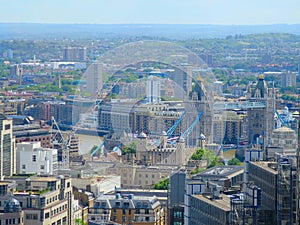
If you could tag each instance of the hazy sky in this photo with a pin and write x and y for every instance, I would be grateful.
(151, 11)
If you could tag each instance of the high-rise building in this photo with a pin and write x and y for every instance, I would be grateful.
(16, 71)
(7, 148)
(153, 89)
(183, 80)
(94, 78)
(288, 79)
(74, 54)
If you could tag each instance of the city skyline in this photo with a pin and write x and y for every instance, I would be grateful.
(155, 12)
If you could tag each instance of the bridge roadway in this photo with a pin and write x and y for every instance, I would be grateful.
(237, 105)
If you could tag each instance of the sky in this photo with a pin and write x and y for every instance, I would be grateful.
(223, 12)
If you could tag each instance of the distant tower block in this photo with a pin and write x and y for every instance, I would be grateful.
(58, 80)
(261, 120)
(94, 78)
(74, 54)
(183, 78)
(17, 71)
(153, 89)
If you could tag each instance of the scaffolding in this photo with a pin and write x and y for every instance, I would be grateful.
(286, 205)
(244, 206)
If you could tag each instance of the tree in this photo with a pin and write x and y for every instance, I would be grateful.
(162, 184)
(79, 222)
(131, 149)
(208, 155)
(198, 155)
(235, 162)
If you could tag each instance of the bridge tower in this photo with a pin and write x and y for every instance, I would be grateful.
(261, 120)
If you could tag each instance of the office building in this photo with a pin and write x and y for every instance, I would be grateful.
(211, 209)
(277, 181)
(7, 148)
(32, 158)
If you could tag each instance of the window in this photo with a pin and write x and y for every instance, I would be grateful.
(124, 211)
(47, 215)
(31, 216)
(65, 220)
(34, 158)
(177, 214)
(23, 167)
(42, 167)
(7, 126)
(123, 218)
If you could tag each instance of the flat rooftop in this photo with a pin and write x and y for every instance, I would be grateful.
(268, 166)
(41, 179)
(222, 203)
(222, 171)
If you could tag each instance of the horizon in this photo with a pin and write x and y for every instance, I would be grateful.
(201, 24)
(217, 12)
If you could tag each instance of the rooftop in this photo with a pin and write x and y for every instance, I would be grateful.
(268, 166)
(42, 179)
(223, 171)
(222, 203)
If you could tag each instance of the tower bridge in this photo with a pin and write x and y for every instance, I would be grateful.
(238, 105)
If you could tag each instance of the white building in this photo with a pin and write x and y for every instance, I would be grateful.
(153, 89)
(32, 158)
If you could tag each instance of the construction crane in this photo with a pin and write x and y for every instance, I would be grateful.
(97, 149)
(188, 131)
(172, 129)
(60, 142)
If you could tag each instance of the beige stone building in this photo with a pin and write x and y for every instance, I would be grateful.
(44, 200)
(135, 210)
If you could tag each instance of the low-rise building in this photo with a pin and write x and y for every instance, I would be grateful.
(127, 210)
(32, 158)
(43, 199)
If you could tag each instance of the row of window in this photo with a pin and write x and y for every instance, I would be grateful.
(60, 222)
(11, 221)
(52, 199)
(58, 210)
